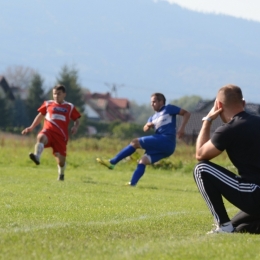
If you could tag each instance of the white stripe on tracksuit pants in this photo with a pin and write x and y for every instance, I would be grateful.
(214, 181)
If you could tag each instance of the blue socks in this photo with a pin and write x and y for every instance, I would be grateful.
(127, 151)
(139, 172)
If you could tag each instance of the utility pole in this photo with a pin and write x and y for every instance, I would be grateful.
(114, 87)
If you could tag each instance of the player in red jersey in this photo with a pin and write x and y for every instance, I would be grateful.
(57, 114)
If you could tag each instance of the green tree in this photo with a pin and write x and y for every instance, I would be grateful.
(20, 116)
(141, 113)
(5, 113)
(128, 131)
(187, 102)
(69, 78)
(35, 96)
(74, 94)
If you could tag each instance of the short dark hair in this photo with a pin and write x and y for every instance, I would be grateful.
(159, 97)
(60, 87)
(231, 94)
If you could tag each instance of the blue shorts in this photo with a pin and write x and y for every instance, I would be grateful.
(157, 146)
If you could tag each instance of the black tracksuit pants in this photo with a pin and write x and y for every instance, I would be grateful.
(214, 181)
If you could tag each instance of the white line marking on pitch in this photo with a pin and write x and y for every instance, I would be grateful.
(97, 223)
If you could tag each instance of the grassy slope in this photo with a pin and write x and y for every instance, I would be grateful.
(92, 215)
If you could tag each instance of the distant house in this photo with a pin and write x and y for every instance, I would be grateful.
(203, 107)
(91, 113)
(5, 90)
(103, 107)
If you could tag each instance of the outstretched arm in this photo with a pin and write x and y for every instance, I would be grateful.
(186, 116)
(35, 122)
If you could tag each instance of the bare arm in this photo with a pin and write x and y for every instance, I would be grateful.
(148, 126)
(37, 120)
(205, 150)
(186, 116)
(75, 127)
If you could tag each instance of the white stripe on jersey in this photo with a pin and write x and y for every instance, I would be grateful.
(50, 119)
(58, 117)
(162, 120)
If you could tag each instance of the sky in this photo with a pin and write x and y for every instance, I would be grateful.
(246, 9)
(102, 38)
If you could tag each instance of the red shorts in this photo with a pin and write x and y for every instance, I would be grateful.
(56, 142)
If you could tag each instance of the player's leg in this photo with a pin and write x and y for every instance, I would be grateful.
(42, 141)
(125, 152)
(60, 151)
(245, 223)
(140, 169)
(156, 148)
(61, 163)
(215, 182)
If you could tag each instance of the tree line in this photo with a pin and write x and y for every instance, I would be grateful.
(19, 113)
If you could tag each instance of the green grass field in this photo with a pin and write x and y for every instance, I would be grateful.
(92, 215)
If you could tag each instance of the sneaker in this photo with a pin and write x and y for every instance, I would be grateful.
(106, 163)
(60, 177)
(129, 184)
(34, 158)
(228, 228)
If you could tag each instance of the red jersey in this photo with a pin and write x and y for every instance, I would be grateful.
(58, 116)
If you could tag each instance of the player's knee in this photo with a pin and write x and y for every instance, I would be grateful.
(42, 139)
(61, 164)
(146, 160)
(135, 143)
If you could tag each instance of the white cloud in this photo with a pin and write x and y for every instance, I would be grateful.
(246, 9)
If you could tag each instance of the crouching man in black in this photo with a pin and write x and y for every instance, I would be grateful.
(239, 136)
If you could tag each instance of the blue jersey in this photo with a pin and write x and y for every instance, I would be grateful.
(165, 121)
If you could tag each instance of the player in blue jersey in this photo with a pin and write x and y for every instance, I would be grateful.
(157, 146)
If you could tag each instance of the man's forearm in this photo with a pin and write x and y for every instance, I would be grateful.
(185, 119)
(147, 126)
(76, 123)
(204, 134)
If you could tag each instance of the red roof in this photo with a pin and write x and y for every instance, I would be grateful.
(109, 108)
(119, 102)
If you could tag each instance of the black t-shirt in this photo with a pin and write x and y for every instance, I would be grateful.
(241, 139)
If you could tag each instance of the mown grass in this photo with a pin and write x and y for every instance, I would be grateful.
(92, 215)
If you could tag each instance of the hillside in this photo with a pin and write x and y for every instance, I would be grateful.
(141, 45)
